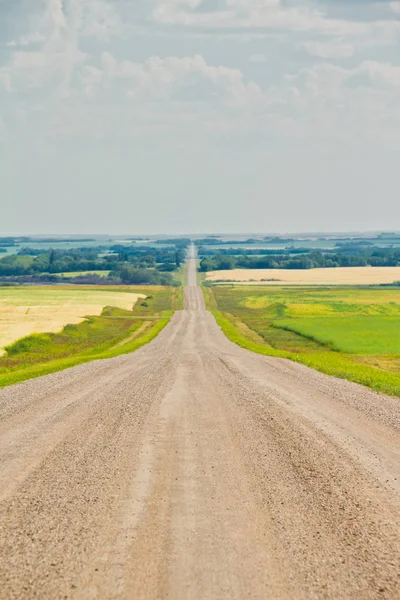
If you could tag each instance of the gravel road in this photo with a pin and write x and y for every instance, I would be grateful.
(196, 470)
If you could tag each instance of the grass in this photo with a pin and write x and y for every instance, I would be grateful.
(116, 331)
(352, 333)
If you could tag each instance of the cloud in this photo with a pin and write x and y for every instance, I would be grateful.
(72, 69)
(69, 18)
(91, 78)
(380, 73)
(329, 49)
(100, 19)
(188, 79)
(253, 15)
(59, 29)
(348, 104)
(27, 40)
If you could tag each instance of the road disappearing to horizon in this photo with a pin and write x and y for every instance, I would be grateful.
(193, 469)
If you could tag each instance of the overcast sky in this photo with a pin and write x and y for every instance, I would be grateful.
(172, 116)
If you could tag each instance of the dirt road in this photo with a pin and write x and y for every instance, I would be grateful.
(194, 469)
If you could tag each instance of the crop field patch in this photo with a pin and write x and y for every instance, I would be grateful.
(352, 335)
(48, 309)
(326, 276)
(351, 332)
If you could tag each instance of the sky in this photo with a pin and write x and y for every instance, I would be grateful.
(189, 116)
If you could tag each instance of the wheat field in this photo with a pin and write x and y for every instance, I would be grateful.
(48, 309)
(335, 276)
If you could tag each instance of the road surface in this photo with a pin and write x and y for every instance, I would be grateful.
(194, 469)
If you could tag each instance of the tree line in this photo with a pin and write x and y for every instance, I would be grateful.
(125, 264)
(312, 259)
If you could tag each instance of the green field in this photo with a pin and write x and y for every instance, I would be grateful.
(353, 335)
(115, 331)
(347, 332)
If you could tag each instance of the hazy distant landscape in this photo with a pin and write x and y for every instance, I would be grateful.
(97, 291)
(154, 260)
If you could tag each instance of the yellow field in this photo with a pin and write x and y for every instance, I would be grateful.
(338, 276)
(48, 309)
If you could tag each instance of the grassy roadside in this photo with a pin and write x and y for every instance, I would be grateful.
(115, 332)
(332, 363)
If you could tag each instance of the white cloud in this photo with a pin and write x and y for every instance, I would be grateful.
(329, 49)
(91, 78)
(53, 66)
(379, 73)
(27, 40)
(166, 92)
(253, 15)
(348, 104)
(100, 20)
(167, 71)
(188, 79)
(70, 19)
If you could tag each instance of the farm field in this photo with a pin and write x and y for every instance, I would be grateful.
(327, 276)
(47, 329)
(348, 332)
(48, 309)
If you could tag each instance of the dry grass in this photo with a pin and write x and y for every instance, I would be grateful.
(338, 276)
(38, 310)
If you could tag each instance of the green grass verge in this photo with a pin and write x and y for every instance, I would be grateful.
(232, 333)
(248, 334)
(115, 332)
(335, 364)
(52, 366)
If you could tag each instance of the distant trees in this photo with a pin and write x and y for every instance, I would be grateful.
(299, 259)
(132, 276)
(127, 264)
